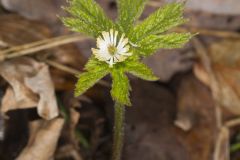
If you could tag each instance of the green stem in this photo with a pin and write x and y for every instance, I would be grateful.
(119, 116)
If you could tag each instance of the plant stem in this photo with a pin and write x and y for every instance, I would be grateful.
(119, 117)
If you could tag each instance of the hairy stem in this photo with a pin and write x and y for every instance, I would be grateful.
(119, 116)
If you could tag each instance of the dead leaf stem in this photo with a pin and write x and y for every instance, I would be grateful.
(232, 123)
(209, 32)
(34, 47)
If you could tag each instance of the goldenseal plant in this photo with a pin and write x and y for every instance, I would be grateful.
(121, 45)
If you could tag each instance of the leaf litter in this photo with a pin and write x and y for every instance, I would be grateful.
(30, 86)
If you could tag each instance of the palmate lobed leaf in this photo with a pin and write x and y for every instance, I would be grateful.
(87, 79)
(120, 87)
(93, 64)
(79, 25)
(140, 70)
(160, 21)
(129, 11)
(95, 70)
(87, 17)
(152, 43)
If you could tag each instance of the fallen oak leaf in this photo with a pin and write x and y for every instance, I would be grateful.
(43, 140)
(42, 85)
(11, 102)
(31, 86)
(220, 71)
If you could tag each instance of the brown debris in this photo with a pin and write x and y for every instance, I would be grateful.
(219, 68)
(196, 118)
(43, 140)
(31, 86)
(35, 9)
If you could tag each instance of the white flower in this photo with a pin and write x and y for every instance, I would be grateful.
(111, 49)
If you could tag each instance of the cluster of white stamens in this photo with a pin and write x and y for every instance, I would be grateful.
(111, 49)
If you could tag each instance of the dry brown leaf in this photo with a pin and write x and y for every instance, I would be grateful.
(196, 118)
(43, 140)
(168, 63)
(224, 80)
(16, 30)
(42, 85)
(149, 132)
(11, 102)
(35, 9)
(230, 7)
(31, 86)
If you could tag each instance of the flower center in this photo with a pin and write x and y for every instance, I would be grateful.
(112, 49)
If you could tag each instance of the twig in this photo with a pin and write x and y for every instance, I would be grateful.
(45, 41)
(159, 3)
(209, 32)
(232, 123)
(71, 71)
(62, 67)
(154, 3)
(3, 44)
(202, 53)
(221, 151)
(34, 47)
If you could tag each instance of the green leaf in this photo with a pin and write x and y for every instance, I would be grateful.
(160, 21)
(140, 70)
(129, 11)
(93, 63)
(152, 43)
(120, 87)
(88, 79)
(79, 25)
(87, 17)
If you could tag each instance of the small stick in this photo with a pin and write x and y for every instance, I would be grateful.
(154, 4)
(209, 32)
(34, 47)
(232, 123)
(3, 44)
(42, 42)
(62, 67)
